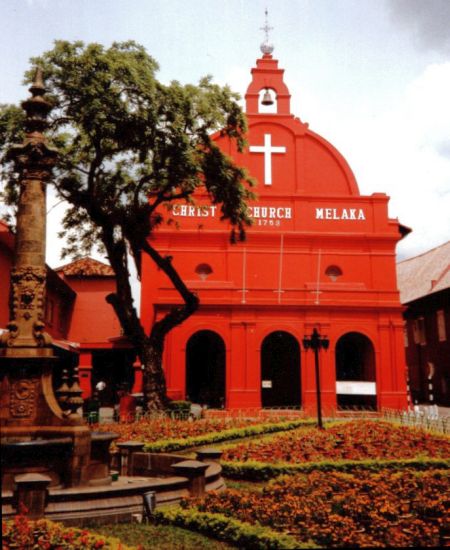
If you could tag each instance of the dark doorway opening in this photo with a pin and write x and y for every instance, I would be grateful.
(205, 369)
(355, 362)
(280, 371)
(113, 370)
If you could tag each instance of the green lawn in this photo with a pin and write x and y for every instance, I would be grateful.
(159, 537)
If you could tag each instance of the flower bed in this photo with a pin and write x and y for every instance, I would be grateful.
(356, 440)
(400, 509)
(47, 535)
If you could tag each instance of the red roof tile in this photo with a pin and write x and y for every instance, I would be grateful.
(86, 267)
(424, 274)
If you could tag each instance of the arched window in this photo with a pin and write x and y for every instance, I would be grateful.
(205, 369)
(355, 372)
(280, 370)
(333, 272)
(203, 270)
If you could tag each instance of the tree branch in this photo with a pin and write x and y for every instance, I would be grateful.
(177, 314)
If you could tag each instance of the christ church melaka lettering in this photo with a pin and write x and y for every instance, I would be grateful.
(263, 215)
(189, 211)
(340, 214)
(270, 215)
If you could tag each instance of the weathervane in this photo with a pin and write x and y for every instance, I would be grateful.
(266, 46)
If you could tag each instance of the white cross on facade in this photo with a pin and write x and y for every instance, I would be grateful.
(267, 149)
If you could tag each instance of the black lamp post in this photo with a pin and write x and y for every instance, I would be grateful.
(316, 342)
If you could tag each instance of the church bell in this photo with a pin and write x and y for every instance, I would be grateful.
(267, 98)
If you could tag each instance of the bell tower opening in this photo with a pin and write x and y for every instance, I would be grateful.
(267, 102)
(267, 92)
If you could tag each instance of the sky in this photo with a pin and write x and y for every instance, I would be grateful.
(371, 77)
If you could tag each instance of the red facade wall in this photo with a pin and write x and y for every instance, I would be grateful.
(93, 319)
(309, 217)
(5, 268)
(6, 258)
(76, 313)
(93, 324)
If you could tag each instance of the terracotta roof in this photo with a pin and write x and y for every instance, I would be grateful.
(86, 267)
(424, 274)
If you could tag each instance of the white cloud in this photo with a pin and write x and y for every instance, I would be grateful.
(409, 161)
(403, 151)
(237, 78)
(426, 102)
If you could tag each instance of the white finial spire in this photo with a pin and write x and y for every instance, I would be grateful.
(266, 46)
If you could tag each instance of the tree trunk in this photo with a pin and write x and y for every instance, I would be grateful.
(155, 391)
(149, 349)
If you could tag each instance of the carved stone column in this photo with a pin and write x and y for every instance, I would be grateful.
(30, 415)
(34, 160)
(26, 354)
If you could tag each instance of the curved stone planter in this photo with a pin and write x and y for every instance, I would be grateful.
(119, 500)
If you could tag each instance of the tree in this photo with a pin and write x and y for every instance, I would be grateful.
(130, 147)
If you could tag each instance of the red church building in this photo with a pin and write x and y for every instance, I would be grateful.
(319, 255)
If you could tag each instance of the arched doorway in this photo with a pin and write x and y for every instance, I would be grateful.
(355, 372)
(280, 370)
(205, 369)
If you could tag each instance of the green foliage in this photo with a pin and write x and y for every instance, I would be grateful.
(179, 409)
(124, 137)
(260, 471)
(129, 148)
(160, 537)
(169, 445)
(11, 124)
(243, 535)
(11, 131)
(179, 406)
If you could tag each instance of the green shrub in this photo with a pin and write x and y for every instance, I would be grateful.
(179, 409)
(260, 471)
(179, 406)
(233, 531)
(168, 445)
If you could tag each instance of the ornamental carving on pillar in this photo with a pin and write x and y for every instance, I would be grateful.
(28, 288)
(33, 161)
(23, 395)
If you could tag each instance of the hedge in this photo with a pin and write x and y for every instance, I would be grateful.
(260, 471)
(233, 531)
(168, 445)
